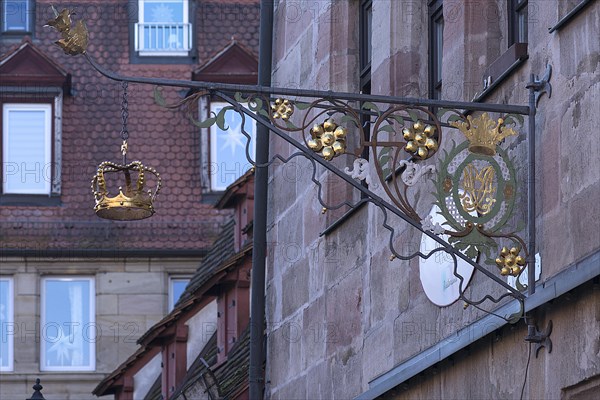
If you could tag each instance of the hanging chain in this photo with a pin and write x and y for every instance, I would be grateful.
(124, 116)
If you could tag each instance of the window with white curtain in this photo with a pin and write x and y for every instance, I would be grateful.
(7, 328)
(26, 148)
(16, 16)
(68, 330)
(163, 28)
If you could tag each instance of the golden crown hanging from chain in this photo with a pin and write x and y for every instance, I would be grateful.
(133, 202)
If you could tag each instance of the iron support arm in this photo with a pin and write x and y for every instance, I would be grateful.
(266, 90)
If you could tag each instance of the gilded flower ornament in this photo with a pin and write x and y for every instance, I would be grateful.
(510, 262)
(282, 109)
(328, 139)
(420, 141)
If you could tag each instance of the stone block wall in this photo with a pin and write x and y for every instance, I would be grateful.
(131, 296)
(339, 312)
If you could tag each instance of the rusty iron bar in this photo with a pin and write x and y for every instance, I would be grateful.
(266, 90)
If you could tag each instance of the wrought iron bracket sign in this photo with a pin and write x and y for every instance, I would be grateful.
(457, 149)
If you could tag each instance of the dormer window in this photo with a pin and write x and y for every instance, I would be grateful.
(163, 28)
(27, 148)
(33, 87)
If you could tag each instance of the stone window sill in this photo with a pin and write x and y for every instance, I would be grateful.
(502, 67)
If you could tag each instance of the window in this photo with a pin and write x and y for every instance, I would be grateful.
(228, 148)
(16, 16)
(365, 55)
(26, 148)
(6, 324)
(436, 47)
(365, 46)
(176, 288)
(163, 28)
(517, 21)
(68, 331)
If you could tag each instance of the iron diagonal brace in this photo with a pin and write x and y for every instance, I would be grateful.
(377, 200)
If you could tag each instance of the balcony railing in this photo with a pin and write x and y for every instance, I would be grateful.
(163, 38)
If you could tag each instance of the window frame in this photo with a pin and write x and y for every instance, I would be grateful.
(365, 57)
(29, 15)
(138, 39)
(11, 319)
(48, 109)
(212, 150)
(172, 279)
(513, 57)
(517, 33)
(435, 59)
(365, 50)
(13, 96)
(365, 44)
(92, 321)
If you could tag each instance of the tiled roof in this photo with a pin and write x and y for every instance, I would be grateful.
(233, 189)
(155, 392)
(221, 250)
(231, 376)
(216, 19)
(161, 138)
(209, 355)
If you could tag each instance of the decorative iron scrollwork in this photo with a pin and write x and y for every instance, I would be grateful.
(474, 180)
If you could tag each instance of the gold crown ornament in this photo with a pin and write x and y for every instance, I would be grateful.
(483, 133)
(132, 202)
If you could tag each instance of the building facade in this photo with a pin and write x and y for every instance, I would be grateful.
(200, 350)
(76, 291)
(346, 320)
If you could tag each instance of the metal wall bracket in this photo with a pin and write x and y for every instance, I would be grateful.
(541, 86)
(540, 338)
